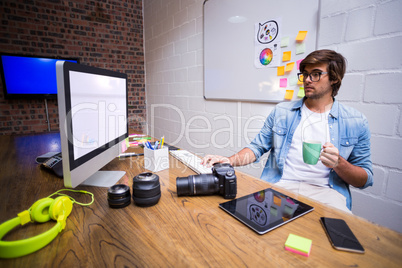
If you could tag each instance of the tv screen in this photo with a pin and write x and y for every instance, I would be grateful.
(29, 76)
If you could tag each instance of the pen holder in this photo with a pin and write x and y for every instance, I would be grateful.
(156, 160)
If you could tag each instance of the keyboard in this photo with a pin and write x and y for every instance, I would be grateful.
(191, 160)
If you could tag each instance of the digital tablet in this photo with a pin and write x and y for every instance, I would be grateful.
(265, 210)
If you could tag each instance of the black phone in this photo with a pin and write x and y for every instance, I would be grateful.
(340, 235)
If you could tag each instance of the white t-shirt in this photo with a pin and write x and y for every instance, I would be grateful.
(313, 126)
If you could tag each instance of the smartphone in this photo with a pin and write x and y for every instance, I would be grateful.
(340, 235)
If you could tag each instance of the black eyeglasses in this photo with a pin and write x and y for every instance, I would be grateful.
(314, 76)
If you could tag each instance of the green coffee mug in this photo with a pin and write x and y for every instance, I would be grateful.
(311, 152)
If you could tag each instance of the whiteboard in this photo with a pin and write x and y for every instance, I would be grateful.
(235, 66)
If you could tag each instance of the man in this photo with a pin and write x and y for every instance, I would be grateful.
(343, 131)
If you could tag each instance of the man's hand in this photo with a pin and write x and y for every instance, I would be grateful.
(330, 155)
(351, 174)
(210, 159)
(244, 157)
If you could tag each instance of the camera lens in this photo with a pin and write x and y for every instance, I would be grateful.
(119, 196)
(146, 189)
(203, 184)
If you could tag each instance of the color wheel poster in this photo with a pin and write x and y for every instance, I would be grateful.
(267, 44)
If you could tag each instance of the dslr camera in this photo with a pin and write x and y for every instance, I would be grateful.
(222, 181)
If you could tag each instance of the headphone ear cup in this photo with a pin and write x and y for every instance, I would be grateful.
(40, 210)
(62, 205)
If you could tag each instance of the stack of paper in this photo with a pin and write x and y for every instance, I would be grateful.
(298, 244)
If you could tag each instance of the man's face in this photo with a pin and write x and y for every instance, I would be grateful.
(320, 88)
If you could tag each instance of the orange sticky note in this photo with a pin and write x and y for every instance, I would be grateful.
(301, 35)
(280, 70)
(289, 94)
(289, 66)
(287, 55)
(299, 82)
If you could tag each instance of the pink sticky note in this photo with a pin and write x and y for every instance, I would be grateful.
(283, 82)
(298, 252)
(123, 146)
(298, 64)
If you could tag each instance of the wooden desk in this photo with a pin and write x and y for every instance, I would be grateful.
(177, 232)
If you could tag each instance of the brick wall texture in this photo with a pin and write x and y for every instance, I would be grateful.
(104, 34)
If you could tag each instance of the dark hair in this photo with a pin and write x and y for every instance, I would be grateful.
(336, 66)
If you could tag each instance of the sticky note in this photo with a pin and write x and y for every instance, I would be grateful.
(283, 82)
(127, 143)
(124, 146)
(300, 48)
(299, 82)
(289, 94)
(289, 66)
(301, 35)
(287, 55)
(298, 244)
(298, 64)
(292, 81)
(280, 70)
(301, 92)
(285, 41)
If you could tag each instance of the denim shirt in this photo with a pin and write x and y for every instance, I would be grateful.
(349, 132)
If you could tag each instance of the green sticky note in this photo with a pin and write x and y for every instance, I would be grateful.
(292, 81)
(298, 244)
(126, 141)
(301, 92)
(300, 48)
(285, 41)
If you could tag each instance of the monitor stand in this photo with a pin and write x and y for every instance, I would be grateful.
(104, 178)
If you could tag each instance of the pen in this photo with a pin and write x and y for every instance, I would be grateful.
(141, 138)
(162, 141)
(134, 143)
(156, 145)
(149, 145)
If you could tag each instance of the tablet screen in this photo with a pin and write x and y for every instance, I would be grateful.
(265, 210)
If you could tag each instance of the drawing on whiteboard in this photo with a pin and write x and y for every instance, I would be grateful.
(267, 32)
(267, 44)
(266, 56)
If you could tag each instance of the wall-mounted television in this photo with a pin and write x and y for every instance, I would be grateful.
(27, 76)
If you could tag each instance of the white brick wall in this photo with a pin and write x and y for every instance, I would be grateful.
(367, 32)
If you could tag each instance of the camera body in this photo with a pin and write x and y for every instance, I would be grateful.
(227, 180)
(222, 181)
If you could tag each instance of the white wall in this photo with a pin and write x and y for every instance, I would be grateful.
(367, 32)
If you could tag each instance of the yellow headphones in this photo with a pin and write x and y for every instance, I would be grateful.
(43, 210)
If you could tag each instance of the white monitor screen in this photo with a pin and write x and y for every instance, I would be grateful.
(93, 122)
(98, 110)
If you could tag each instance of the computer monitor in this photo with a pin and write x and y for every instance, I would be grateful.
(93, 122)
(27, 76)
